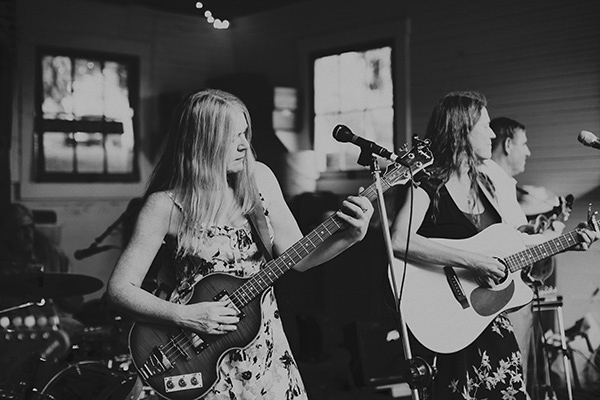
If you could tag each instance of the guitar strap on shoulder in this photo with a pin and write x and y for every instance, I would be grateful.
(258, 223)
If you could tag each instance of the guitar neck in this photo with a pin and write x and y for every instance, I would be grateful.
(531, 255)
(275, 268)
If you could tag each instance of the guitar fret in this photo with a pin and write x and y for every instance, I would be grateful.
(541, 251)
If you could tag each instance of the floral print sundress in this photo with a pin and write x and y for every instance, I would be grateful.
(265, 369)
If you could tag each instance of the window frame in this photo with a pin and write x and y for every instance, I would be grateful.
(40, 175)
(360, 46)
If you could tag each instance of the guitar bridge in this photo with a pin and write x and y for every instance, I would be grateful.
(456, 287)
(156, 364)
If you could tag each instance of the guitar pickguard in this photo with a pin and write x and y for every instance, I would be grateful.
(488, 302)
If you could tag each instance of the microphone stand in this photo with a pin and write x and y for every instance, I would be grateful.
(419, 373)
(101, 238)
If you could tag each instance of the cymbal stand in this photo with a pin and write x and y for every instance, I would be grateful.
(419, 373)
(38, 303)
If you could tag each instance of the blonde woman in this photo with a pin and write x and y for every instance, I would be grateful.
(198, 204)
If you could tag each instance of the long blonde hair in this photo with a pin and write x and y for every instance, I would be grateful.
(193, 166)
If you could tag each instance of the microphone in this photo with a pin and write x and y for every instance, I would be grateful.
(589, 139)
(343, 134)
(90, 251)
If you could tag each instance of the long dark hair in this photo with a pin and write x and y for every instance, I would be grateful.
(451, 121)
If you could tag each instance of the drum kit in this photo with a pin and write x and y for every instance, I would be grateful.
(49, 354)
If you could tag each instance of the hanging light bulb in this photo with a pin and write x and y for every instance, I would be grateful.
(216, 23)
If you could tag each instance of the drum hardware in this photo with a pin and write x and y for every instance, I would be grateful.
(31, 341)
(48, 285)
(87, 380)
(39, 303)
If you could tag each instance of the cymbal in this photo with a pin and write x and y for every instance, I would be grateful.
(48, 284)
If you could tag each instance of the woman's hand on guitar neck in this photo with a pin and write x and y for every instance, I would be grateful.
(213, 317)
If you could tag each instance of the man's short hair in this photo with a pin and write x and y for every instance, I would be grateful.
(504, 128)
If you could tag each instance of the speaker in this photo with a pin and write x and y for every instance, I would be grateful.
(379, 356)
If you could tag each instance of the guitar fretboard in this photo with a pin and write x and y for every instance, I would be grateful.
(275, 268)
(542, 251)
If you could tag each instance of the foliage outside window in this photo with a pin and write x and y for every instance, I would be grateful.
(353, 88)
(85, 117)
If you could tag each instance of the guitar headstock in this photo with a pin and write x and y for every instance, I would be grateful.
(411, 162)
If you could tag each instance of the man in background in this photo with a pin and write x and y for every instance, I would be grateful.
(509, 155)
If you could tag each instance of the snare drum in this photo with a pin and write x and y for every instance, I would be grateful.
(92, 380)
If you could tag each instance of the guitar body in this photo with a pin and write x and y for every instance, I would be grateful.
(201, 364)
(437, 315)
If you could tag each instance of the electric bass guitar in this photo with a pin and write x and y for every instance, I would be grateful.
(181, 364)
(446, 309)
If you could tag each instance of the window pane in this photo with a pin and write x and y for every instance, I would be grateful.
(116, 93)
(90, 152)
(57, 101)
(119, 151)
(379, 77)
(58, 152)
(327, 96)
(353, 82)
(355, 89)
(88, 88)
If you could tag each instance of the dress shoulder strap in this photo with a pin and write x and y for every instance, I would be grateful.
(258, 223)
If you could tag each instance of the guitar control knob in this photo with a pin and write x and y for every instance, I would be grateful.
(182, 383)
(194, 381)
(170, 384)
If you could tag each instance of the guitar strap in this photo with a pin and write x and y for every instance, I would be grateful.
(258, 223)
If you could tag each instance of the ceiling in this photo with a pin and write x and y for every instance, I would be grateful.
(223, 9)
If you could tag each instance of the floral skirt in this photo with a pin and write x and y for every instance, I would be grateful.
(489, 368)
(266, 369)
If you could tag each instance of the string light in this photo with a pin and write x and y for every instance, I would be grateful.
(216, 22)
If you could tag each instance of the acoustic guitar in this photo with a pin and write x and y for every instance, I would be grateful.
(446, 309)
(180, 364)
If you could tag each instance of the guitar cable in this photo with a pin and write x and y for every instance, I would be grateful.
(398, 292)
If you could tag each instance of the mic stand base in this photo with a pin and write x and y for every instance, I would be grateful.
(419, 373)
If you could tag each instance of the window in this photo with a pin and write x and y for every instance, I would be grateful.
(354, 88)
(86, 107)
